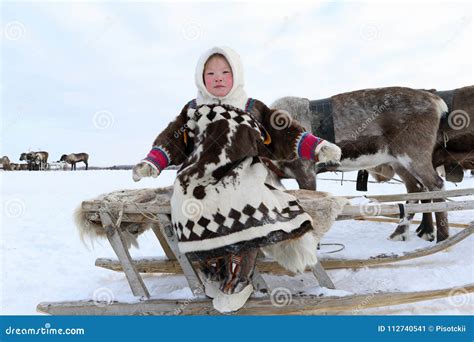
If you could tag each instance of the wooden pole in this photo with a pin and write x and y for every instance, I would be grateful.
(161, 265)
(418, 195)
(292, 305)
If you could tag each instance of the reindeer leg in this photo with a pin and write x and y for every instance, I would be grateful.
(302, 171)
(426, 226)
(433, 182)
(412, 185)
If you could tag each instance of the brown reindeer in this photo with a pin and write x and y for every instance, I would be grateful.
(455, 141)
(35, 160)
(394, 125)
(6, 165)
(454, 150)
(41, 159)
(74, 158)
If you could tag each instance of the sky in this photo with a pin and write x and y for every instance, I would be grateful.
(107, 77)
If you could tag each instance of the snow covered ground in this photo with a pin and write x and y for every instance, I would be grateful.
(42, 258)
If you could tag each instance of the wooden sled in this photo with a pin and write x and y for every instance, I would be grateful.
(177, 262)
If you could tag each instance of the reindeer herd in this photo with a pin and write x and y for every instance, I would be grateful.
(38, 161)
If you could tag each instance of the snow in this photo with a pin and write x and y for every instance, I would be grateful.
(43, 259)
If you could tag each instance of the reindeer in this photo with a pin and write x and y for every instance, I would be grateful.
(6, 165)
(35, 160)
(394, 125)
(28, 158)
(453, 151)
(74, 158)
(455, 141)
(41, 159)
(455, 147)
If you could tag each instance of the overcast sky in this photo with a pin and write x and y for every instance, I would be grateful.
(106, 78)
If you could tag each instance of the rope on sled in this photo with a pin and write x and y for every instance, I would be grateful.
(149, 215)
(341, 245)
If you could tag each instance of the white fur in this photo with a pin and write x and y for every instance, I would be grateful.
(327, 151)
(441, 170)
(428, 236)
(295, 255)
(403, 236)
(442, 107)
(366, 161)
(233, 302)
(400, 237)
(90, 231)
(405, 160)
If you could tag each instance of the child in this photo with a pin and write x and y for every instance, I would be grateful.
(224, 205)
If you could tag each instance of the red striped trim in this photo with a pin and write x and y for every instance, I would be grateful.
(307, 146)
(158, 157)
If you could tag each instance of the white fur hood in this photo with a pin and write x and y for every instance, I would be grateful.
(237, 96)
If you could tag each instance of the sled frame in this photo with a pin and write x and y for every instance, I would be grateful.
(165, 235)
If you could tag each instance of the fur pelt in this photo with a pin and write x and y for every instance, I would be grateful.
(298, 254)
(93, 230)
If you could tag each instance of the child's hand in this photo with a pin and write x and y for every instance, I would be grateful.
(328, 154)
(145, 169)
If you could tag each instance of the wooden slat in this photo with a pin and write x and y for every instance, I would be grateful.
(304, 195)
(164, 244)
(133, 213)
(128, 208)
(353, 211)
(296, 305)
(322, 276)
(194, 282)
(160, 265)
(396, 220)
(419, 195)
(118, 244)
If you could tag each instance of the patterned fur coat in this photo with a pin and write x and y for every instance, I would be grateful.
(221, 201)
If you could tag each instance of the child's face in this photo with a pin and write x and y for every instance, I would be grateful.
(218, 76)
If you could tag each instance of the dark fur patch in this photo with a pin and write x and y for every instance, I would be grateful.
(199, 192)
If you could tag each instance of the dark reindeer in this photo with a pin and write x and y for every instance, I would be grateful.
(394, 125)
(74, 158)
(455, 148)
(28, 157)
(455, 141)
(35, 160)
